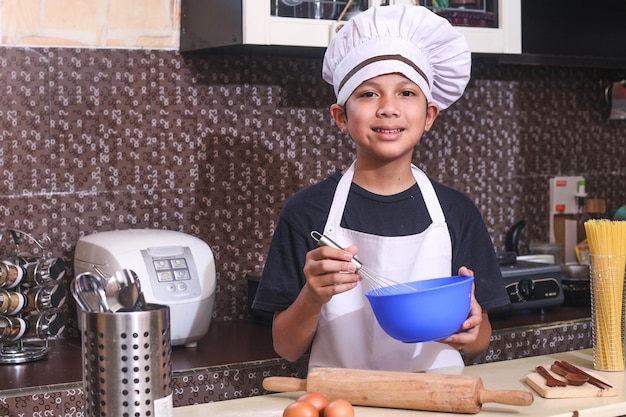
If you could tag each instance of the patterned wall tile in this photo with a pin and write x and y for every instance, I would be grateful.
(24, 122)
(523, 342)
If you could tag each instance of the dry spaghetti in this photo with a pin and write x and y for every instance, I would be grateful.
(607, 247)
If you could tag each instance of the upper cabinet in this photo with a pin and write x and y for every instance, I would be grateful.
(208, 24)
(490, 26)
(573, 33)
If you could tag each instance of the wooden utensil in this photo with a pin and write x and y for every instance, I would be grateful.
(550, 380)
(414, 391)
(539, 384)
(592, 380)
(572, 378)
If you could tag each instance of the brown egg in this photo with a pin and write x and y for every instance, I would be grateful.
(339, 408)
(300, 409)
(317, 399)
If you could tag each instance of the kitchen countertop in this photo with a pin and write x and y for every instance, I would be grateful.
(508, 375)
(226, 342)
(234, 357)
(537, 317)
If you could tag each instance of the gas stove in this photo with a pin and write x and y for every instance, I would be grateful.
(532, 285)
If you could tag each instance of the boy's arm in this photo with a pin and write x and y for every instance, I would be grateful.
(328, 272)
(293, 329)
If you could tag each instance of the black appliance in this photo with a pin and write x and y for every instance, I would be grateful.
(256, 316)
(531, 285)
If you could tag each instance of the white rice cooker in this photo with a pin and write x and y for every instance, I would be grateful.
(175, 269)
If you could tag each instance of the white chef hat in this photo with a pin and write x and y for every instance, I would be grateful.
(405, 39)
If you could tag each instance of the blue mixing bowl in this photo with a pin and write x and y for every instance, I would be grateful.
(435, 310)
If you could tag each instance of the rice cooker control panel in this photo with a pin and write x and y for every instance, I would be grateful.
(172, 272)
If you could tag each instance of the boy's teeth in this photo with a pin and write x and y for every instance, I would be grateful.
(388, 130)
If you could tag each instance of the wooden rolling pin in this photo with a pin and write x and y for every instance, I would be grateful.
(414, 391)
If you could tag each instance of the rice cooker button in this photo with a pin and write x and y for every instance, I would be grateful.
(165, 276)
(182, 275)
(161, 264)
(179, 263)
(171, 287)
(181, 286)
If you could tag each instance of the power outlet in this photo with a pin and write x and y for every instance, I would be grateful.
(563, 193)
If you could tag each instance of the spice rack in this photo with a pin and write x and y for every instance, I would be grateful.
(31, 297)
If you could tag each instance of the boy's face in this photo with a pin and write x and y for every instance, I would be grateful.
(386, 116)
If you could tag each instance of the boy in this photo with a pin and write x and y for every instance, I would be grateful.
(392, 68)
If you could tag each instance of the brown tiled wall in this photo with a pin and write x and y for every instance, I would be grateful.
(211, 145)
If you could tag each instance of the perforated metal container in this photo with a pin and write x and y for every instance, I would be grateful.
(127, 363)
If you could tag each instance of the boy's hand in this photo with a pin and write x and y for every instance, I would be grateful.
(329, 271)
(469, 333)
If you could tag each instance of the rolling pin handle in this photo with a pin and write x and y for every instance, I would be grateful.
(284, 384)
(513, 397)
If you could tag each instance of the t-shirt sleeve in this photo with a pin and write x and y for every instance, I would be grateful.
(282, 277)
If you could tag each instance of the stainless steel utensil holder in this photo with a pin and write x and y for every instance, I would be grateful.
(127, 363)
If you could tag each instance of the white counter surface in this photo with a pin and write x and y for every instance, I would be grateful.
(506, 375)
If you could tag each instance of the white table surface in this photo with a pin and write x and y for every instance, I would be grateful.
(505, 375)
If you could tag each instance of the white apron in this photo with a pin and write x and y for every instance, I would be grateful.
(348, 335)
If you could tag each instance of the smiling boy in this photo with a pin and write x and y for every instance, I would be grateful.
(393, 68)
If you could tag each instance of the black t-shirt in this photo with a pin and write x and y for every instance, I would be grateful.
(395, 215)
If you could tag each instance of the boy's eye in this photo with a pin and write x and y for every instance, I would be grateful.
(407, 93)
(367, 94)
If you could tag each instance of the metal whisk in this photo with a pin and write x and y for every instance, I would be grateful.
(378, 283)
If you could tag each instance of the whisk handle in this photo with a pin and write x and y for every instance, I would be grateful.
(323, 240)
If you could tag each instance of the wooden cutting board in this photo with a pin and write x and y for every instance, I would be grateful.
(538, 383)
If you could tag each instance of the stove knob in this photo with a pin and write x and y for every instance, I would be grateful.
(525, 288)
